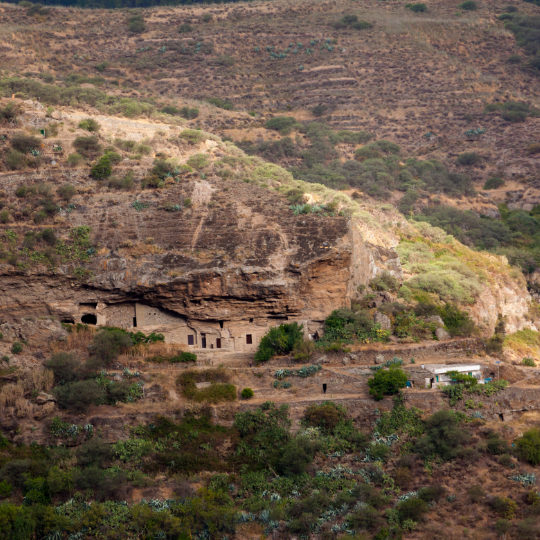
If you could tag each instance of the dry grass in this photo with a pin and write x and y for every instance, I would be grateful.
(145, 350)
(76, 340)
(23, 408)
(11, 394)
(42, 380)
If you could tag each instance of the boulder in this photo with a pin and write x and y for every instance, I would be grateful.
(346, 361)
(200, 385)
(57, 115)
(442, 334)
(435, 319)
(43, 398)
(322, 360)
(379, 359)
(383, 320)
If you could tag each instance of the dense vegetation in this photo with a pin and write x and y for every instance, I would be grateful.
(375, 170)
(516, 235)
(263, 475)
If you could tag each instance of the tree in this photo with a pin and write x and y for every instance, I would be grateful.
(297, 455)
(78, 396)
(443, 436)
(280, 340)
(326, 416)
(387, 382)
(102, 169)
(528, 446)
(65, 367)
(106, 346)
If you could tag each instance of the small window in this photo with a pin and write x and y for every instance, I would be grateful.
(249, 339)
(218, 343)
(250, 320)
(191, 340)
(221, 324)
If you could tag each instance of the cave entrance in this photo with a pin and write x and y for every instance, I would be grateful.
(89, 319)
(134, 322)
(324, 388)
(501, 417)
(68, 320)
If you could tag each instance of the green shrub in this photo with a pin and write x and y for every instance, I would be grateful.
(24, 143)
(387, 382)
(343, 325)
(66, 192)
(89, 124)
(78, 396)
(136, 24)
(87, 146)
(278, 341)
(247, 393)
(514, 59)
(297, 455)
(443, 436)
(417, 8)
(469, 5)
(94, 453)
(65, 366)
(366, 518)
(283, 124)
(412, 509)
(504, 507)
(494, 182)
(528, 362)
(432, 493)
(10, 112)
(5, 216)
(74, 159)
(528, 446)
(102, 169)
(106, 346)
(218, 391)
(468, 158)
(221, 103)
(198, 161)
(16, 160)
(185, 28)
(325, 416)
(384, 282)
(17, 348)
(193, 136)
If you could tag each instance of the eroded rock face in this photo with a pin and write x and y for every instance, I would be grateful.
(244, 258)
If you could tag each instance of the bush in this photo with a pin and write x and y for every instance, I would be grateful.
(247, 393)
(412, 509)
(17, 348)
(494, 182)
(476, 493)
(326, 416)
(469, 5)
(528, 362)
(24, 143)
(78, 396)
(16, 160)
(497, 446)
(387, 382)
(504, 507)
(417, 8)
(343, 325)
(87, 146)
(106, 346)
(528, 446)
(65, 366)
(74, 159)
(102, 169)
(136, 24)
(297, 455)
(283, 124)
(89, 124)
(66, 192)
(9, 112)
(217, 392)
(303, 350)
(185, 28)
(468, 158)
(198, 161)
(94, 453)
(221, 103)
(502, 526)
(384, 282)
(443, 436)
(432, 493)
(366, 518)
(280, 340)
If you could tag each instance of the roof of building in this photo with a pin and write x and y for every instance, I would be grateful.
(445, 368)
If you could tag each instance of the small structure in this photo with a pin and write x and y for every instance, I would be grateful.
(437, 374)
